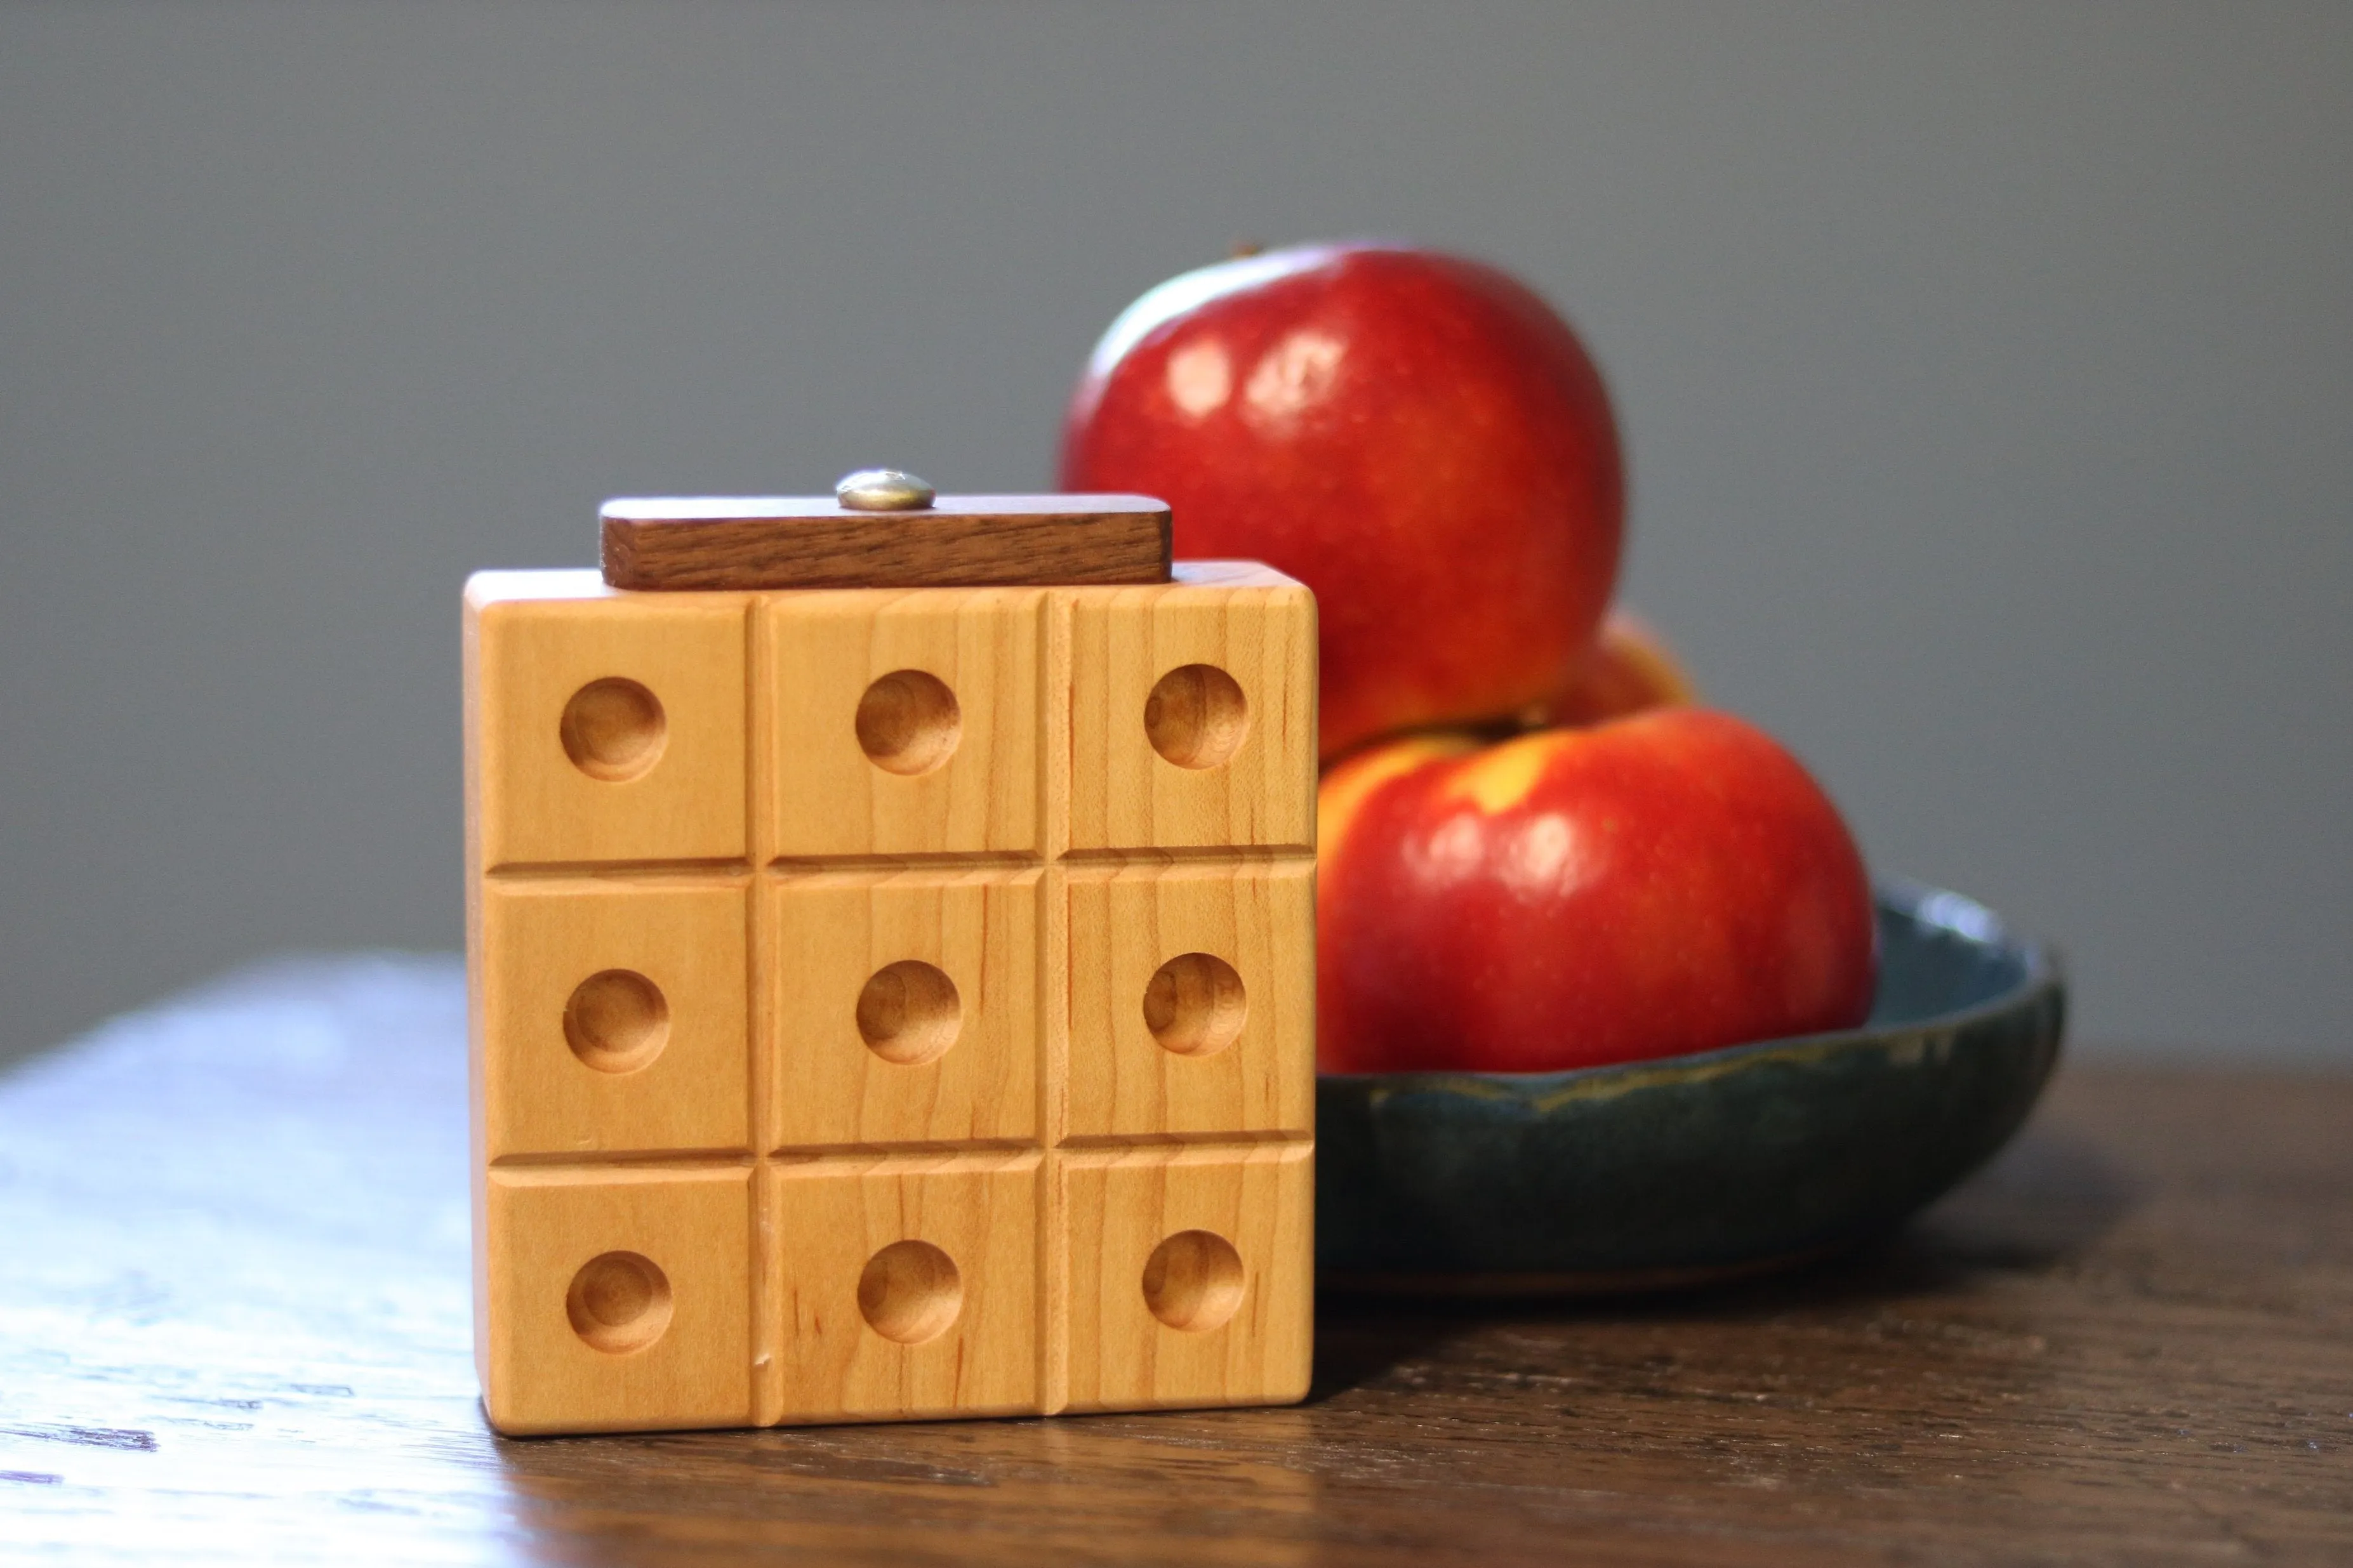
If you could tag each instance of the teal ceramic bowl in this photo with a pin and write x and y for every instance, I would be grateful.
(1696, 1167)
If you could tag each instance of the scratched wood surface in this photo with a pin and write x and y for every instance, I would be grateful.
(234, 1328)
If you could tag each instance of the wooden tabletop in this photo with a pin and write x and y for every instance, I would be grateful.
(234, 1326)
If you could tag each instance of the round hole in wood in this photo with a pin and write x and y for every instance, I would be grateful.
(1197, 716)
(1194, 1281)
(613, 728)
(619, 1303)
(617, 1020)
(908, 722)
(909, 1013)
(1195, 1005)
(910, 1292)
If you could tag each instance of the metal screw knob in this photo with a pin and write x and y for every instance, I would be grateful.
(882, 489)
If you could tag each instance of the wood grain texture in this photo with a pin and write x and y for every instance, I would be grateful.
(544, 1366)
(968, 779)
(535, 642)
(1241, 1061)
(905, 1009)
(961, 1070)
(863, 1342)
(1211, 1323)
(1253, 626)
(809, 541)
(615, 1017)
(2124, 1344)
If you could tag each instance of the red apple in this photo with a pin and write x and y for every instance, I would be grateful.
(1419, 438)
(1651, 886)
(1630, 668)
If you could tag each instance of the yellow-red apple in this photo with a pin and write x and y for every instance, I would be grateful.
(1666, 883)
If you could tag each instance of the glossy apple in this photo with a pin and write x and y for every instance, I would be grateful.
(1419, 438)
(1648, 887)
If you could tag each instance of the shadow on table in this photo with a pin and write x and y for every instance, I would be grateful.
(2042, 1204)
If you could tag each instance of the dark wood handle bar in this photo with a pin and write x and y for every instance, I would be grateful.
(811, 541)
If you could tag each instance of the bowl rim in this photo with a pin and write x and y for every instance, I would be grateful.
(1956, 913)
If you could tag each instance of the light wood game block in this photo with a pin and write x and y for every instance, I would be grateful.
(907, 1286)
(606, 726)
(890, 1004)
(615, 1017)
(903, 723)
(1187, 1272)
(1193, 712)
(616, 1299)
(1191, 986)
(905, 1005)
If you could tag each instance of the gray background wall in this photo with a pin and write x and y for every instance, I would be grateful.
(1987, 370)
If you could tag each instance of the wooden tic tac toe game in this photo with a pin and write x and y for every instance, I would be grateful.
(890, 944)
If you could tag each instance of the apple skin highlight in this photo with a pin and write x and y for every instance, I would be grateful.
(1419, 438)
(1648, 887)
